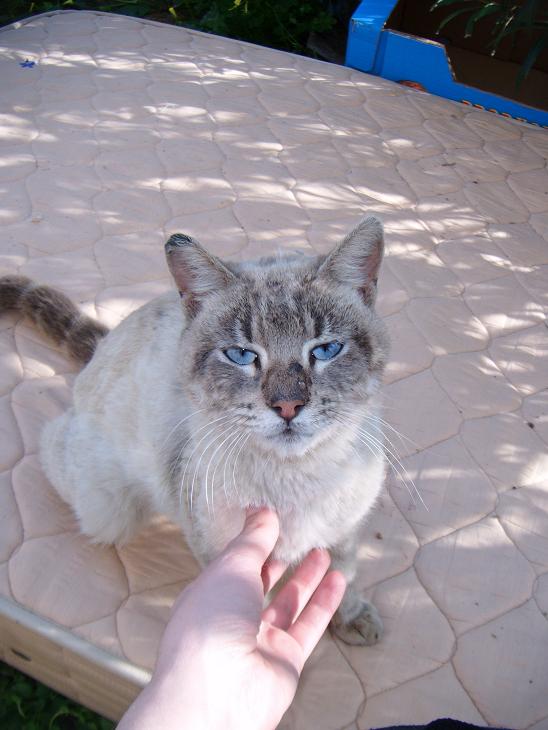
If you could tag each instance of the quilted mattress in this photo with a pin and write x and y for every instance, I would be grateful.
(123, 131)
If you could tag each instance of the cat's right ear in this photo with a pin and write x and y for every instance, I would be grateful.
(196, 272)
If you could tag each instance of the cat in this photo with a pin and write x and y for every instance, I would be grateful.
(253, 383)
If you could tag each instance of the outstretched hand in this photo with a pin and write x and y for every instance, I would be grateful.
(224, 662)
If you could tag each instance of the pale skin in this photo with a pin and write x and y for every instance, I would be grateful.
(224, 661)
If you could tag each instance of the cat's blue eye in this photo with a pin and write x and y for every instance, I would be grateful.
(327, 351)
(240, 356)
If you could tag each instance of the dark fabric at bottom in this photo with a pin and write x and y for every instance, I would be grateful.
(444, 724)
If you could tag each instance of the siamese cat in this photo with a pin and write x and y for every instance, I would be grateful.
(249, 384)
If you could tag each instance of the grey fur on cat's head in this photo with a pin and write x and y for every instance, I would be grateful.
(282, 309)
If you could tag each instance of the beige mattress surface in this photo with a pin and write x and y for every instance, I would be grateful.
(125, 131)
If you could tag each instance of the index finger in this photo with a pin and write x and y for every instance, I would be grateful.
(310, 625)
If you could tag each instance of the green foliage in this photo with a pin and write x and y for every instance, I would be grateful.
(11, 10)
(278, 23)
(507, 18)
(28, 705)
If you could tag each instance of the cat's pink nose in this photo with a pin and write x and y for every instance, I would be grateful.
(287, 409)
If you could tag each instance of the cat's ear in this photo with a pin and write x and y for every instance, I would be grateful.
(357, 259)
(196, 272)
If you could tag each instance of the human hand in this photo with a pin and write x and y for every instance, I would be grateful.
(224, 662)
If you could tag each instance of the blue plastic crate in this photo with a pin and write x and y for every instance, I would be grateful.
(401, 57)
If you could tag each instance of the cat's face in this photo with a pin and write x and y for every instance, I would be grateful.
(282, 351)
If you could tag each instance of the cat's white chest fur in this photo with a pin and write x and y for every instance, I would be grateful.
(312, 503)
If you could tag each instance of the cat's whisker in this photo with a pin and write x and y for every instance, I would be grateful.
(180, 423)
(236, 460)
(404, 474)
(192, 480)
(372, 420)
(386, 397)
(211, 461)
(226, 456)
(399, 434)
(232, 449)
(189, 439)
(358, 420)
(268, 459)
(392, 459)
(176, 462)
(211, 427)
(401, 471)
(376, 453)
(188, 462)
(355, 450)
(204, 450)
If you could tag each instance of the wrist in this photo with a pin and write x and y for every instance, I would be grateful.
(171, 704)
(160, 705)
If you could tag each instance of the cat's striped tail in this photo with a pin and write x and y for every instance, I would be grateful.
(53, 313)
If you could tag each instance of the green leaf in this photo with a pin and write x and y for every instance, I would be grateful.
(532, 56)
(61, 712)
(451, 17)
(478, 15)
(507, 29)
(527, 13)
(443, 3)
(17, 701)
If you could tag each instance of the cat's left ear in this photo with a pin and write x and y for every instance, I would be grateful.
(196, 272)
(356, 261)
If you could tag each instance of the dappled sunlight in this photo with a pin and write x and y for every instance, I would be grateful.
(15, 129)
(403, 145)
(521, 356)
(501, 261)
(115, 303)
(124, 133)
(524, 513)
(475, 574)
(455, 492)
(64, 114)
(451, 215)
(67, 60)
(504, 306)
(507, 449)
(531, 467)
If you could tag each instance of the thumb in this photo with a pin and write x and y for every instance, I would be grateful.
(257, 539)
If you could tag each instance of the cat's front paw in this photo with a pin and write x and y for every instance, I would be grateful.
(364, 629)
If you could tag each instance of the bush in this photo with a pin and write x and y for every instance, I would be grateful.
(281, 24)
(27, 705)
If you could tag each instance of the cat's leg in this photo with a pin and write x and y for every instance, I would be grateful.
(87, 472)
(357, 621)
